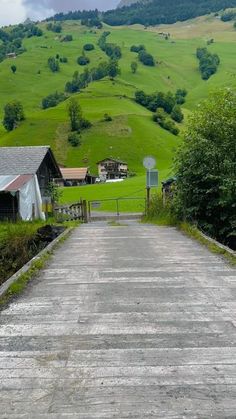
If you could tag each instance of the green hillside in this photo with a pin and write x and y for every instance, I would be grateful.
(132, 134)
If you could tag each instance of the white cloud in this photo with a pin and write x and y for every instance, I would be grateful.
(16, 11)
(11, 11)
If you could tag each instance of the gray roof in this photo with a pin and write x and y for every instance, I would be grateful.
(21, 160)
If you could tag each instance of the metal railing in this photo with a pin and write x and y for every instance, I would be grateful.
(113, 207)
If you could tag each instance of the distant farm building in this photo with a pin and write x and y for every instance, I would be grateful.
(25, 175)
(112, 169)
(76, 177)
(11, 55)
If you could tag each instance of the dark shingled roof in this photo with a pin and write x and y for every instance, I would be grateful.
(22, 160)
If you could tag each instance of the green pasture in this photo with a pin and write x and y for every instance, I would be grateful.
(131, 135)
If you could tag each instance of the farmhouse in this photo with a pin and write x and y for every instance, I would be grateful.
(112, 169)
(11, 55)
(25, 174)
(76, 177)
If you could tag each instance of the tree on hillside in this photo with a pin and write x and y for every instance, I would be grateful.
(75, 114)
(77, 122)
(13, 69)
(206, 168)
(177, 114)
(113, 69)
(13, 114)
(53, 64)
(134, 67)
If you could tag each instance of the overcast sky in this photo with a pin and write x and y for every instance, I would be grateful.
(16, 11)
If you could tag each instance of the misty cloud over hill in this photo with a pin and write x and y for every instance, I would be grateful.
(15, 11)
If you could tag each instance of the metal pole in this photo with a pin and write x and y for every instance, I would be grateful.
(148, 189)
(117, 207)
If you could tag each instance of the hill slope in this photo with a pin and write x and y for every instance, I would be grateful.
(131, 134)
(155, 12)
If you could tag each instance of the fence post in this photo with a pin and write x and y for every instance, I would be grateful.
(85, 211)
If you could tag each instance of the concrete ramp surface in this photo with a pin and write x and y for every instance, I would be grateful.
(129, 321)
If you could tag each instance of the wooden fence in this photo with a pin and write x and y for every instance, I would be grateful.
(76, 211)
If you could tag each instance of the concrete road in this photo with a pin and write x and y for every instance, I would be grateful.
(133, 321)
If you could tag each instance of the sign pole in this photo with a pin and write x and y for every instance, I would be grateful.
(149, 163)
(148, 190)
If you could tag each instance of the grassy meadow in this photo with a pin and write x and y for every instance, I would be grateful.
(131, 135)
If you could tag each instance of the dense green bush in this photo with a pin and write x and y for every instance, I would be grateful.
(137, 48)
(205, 167)
(83, 60)
(177, 114)
(53, 64)
(161, 118)
(208, 63)
(74, 139)
(13, 115)
(180, 96)
(54, 27)
(63, 60)
(67, 38)
(89, 47)
(53, 100)
(146, 58)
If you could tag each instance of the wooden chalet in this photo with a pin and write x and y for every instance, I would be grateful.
(76, 176)
(112, 169)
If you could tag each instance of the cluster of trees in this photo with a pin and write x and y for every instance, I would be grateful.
(13, 115)
(66, 38)
(228, 15)
(206, 171)
(12, 40)
(83, 60)
(143, 56)
(156, 12)
(208, 63)
(165, 106)
(54, 27)
(76, 15)
(77, 122)
(53, 100)
(80, 81)
(53, 64)
(146, 58)
(111, 50)
(91, 23)
(161, 118)
(180, 96)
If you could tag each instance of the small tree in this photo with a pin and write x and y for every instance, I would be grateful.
(177, 114)
(53, 64)
(74, 139)
(113, 69)
(134, 67)
(75, 114)
(13, 69)
(54, 192)
(13, 114)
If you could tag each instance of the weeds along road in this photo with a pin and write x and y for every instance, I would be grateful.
(130, 321)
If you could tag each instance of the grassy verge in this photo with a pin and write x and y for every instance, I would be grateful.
(20, 284)
(193, 232)
(163, 216)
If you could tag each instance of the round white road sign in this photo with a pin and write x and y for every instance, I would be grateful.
(149, 162)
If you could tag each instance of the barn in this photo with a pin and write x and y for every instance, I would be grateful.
(25, 174)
